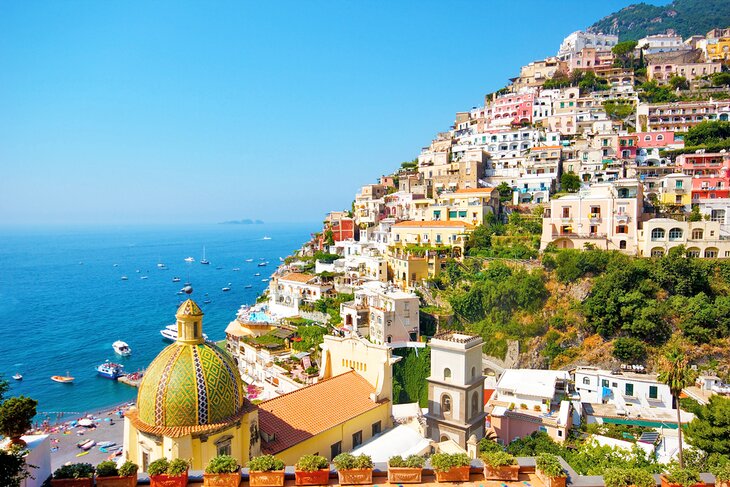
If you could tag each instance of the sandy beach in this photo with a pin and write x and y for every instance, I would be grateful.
(107, 425)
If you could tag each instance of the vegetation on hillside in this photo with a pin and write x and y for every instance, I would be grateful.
(686, 17)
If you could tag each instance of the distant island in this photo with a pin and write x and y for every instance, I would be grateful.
(245, 221)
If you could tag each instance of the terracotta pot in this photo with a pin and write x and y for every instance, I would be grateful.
(722, 483)
(667, 483)
(404, 475)
(355, 476)
(506, 472)
(266, 479)
(129, 481)
(551, 481)
(222, 479)
(169, 480)
(72, 482)
(455, 474)
(318, 477)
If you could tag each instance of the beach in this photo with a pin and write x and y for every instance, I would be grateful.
(107, 425)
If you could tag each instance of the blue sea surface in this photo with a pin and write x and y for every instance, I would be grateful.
(63, 302)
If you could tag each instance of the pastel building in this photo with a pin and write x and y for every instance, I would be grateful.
(435, 233)
(622, 389)
(579, 40)
(468, 205)
(700, 239)
(289, 291)
(675, 190)
(679, 116)
(710, 174)
(510, 109)
(605, 215)
(662, 72)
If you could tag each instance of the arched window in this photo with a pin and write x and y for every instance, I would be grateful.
(660, 137)
(647, 138)
(447, 374)
(474, 404)
(445, 404)
(586, 381)
(697, 234)
(675, 234)
(473, 372)
(622, 244)
(657, 252)
(657, 234)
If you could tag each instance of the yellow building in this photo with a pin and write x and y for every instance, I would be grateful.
(351, 403)
(719, 50)
(453, 233)
(675, 190)
(191, 403)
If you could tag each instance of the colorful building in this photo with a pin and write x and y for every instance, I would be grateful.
(710, 174)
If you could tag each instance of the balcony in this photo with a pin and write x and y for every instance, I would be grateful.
(595, 217)
(622, 218)
(579, 235)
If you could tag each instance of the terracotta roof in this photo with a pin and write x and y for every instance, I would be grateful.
(297, 277)
(433, 224)
(306, 412)
(178, 431)
(475, 190)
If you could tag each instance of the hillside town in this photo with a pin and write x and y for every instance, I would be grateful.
(598, 147)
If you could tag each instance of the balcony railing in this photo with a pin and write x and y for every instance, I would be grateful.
(579, 235)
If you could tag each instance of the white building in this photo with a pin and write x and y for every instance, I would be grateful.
(662, 43)
(288, 292)
(622, 389)
(579, 40)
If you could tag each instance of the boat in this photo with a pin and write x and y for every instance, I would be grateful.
(189, 259)
(247, 286)
(249, 260)
(105, 444)
(110, 370)
(170, 333)
(207, 301)
(236, 269)
(262, 264)
(143, 277)
(116, 265)
(161, 266)
(124, 278)
(257, 274)
(81, 443)
(122, 348)
(81, 454)
(281, 259)
(227, 288)
(175, 279)
(18, 377)
(266, 238)
(264, 280)
(204, 261)
(63, 379)
(88, 445)
(179, 293)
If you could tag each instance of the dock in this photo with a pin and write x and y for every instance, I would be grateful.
(134, 379)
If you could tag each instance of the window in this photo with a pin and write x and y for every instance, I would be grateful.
(622, 244)
(629, 389)
(376, 428)
(446, 404)
(711, 253)
(622, 229)
(586, 381)
(447, 374)
(675, 234)
(357, 439)
(604, 383)
(657, 234)
(657, 252)
(475, 403)
(653, 392)
(335, 449)
(678, 184)
(566, 212)
(697, 234)
(473, 372)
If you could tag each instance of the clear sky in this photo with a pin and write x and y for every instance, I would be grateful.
(193, 112)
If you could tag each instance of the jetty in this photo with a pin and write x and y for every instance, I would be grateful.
(134, 379)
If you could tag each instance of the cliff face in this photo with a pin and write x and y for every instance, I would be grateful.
(685, 17)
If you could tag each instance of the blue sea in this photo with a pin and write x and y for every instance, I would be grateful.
(63, 302)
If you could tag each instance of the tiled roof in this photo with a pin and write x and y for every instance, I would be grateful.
(306, 412)
(297, 277)
(433, 224)
(474, 190)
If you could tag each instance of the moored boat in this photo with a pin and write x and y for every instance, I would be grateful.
(170, 333)
(262, 264)
(125, 278)
(63, 379)
(122, 348)
(110, 370)
(175, 279)
(204, 261)
(17, 376)
(189, 259)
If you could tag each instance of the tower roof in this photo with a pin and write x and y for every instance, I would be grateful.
(189, 308)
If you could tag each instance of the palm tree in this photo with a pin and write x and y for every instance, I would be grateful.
(676, 373)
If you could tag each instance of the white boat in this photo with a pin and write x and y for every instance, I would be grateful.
(257, 274)
(227, 288)
(264, 280)
(247, 286)
(170, 333)
(161, 266)
(18, 377)
(262, 264)
(189, 259)
(175, 279)
(204, 261)
(143, 277)
(236, 269)
(122, 348)
(266, 238)
(124, 278)
(249, 260)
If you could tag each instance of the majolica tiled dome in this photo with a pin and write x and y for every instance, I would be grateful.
(191, 382)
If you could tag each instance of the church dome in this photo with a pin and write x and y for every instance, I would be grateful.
(192, 385)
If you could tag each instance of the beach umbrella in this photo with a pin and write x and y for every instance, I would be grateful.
(85, 422)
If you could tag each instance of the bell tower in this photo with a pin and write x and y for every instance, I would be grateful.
(455, 388)
(189, 323)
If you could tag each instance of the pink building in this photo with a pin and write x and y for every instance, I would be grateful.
(510, 109)
(650, 140)
(628, 145)
(710, 174)
(590, 59)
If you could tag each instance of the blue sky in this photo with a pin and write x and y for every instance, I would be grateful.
(198, 112)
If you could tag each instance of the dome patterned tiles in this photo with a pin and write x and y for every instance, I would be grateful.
(189, 308)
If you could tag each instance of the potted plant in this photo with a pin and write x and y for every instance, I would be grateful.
(165, 473)
(353, 469)
(500, 465)
(451, 467)
(74, 475)
(405, 471)
(222, 471)
(312, 470)
(108, 475)
(549, 470)
(16, 417)
(625, 477)
(722, 475)
(681, 477)
(266, 471)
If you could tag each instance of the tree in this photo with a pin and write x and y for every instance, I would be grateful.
(675, 373)
(707, 132)
(13, 466)
(679, 82)
(721, 79)
(570, 182)
(505, 192)
(4, 387)
(629, 350)
(624, 54)
(710, 430)
(16, 416)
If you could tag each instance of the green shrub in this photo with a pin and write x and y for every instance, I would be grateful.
(158, 467)
(487, 445)
(624, 477)
(107, 468)
(443, 462)
(13, 466)
(549, 465)
(222, 464)
(686, 477)
(74, 471)
(722, 473)
(412, 461)
(128, 469)
(178, 467)
(348, 461)
(499, 459)
(312, 463)
(265, 463)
